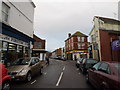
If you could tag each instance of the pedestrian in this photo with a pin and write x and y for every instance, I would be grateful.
(47, 58)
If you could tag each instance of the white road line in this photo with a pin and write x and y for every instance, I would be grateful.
(33, 82)
(64, 68)
(59, 79)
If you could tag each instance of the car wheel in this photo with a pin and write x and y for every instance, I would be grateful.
(6, 85)
(29, 77)
(40, 71)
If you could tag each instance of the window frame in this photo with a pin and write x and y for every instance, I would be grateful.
(6, 20)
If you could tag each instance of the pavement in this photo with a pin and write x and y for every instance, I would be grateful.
(58, 74)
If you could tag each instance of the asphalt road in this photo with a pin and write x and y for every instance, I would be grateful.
(58, 74)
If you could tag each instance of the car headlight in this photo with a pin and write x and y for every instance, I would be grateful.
(23, 71)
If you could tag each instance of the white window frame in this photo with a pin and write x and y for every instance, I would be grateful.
(6, 12)
(83, 39)
(79, 45)
(78, 39)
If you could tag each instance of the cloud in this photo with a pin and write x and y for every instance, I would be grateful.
(54, 20)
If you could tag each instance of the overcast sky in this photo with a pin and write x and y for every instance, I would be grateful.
(54, 19)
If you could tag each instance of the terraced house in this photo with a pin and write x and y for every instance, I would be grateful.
(76, 46)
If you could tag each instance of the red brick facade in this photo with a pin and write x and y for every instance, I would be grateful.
(39, 43)
(107, 54)
(76, 46)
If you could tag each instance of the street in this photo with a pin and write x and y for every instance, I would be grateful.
(58, 74)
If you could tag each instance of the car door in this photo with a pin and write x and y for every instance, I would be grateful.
(33, 66)
(93, 74)
(38, 65)
(103, 75)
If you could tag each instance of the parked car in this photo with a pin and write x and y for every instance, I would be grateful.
(105, 75)
(78, 62)
(4, 78)
(86, 64)
(24, 68)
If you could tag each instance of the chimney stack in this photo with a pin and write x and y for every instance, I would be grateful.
(69, 35)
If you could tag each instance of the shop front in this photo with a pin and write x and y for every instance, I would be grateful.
(75, 54)
(14, 44)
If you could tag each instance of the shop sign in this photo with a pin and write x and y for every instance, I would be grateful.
(116, 45)
(84, 51)
(13, 40)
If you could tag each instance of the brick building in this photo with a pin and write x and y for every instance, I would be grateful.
(76, 46)
(105, 39)
(57, 53)
(39, 47)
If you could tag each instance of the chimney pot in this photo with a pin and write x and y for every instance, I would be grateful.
(69, 35)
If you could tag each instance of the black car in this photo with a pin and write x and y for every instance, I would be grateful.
(78, 62)
(87, 63)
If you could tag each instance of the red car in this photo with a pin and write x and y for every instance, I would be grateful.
(4, 78)
(105, 75)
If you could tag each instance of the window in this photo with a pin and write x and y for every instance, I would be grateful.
(79, 45)
(96, 66)
(104, 68)
(82, 39)
(78, 39)
(5, 12)
(93, 38)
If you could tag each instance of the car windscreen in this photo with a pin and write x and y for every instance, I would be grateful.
(118, 68)
(91, 61)
(21, 61)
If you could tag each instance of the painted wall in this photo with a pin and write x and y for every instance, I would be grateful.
(21, 16)
(96, 33)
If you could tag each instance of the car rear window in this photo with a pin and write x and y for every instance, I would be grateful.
(118, 68)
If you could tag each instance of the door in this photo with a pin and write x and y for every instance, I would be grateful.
(33, 66)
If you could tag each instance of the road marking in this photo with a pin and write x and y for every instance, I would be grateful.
(59, 79)
(64, 68)
(33, 82)
(78, 73)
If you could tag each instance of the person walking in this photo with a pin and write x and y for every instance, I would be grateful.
(47, 58)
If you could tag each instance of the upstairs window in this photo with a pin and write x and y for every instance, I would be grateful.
(5, 12)
(78, 39)
(82, 39)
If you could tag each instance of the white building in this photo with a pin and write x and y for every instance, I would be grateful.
(16, 24)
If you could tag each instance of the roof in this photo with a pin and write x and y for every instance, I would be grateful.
(32, 3)
(37, 37)
(108, 20)
(78, 34)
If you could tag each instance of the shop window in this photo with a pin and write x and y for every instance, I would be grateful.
(4, 46)
(5, 12)
(12, 47)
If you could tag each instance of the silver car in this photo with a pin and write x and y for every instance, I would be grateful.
(25, 68)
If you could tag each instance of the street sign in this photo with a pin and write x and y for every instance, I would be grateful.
(116, 45)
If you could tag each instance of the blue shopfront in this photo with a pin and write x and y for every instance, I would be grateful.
(14, 44)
